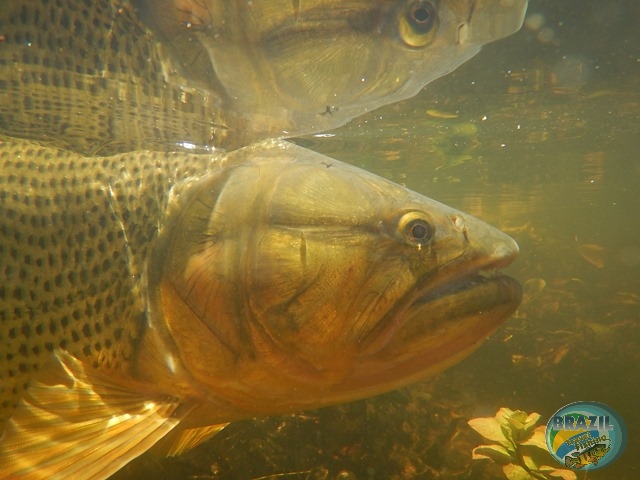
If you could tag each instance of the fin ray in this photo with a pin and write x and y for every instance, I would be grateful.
(180, 440)
(82, 425)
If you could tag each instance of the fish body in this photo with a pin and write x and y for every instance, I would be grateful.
(119, 75)
(587, 457)
(151, 298)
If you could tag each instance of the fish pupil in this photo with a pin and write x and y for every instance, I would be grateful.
(420, 16)
(419, 230)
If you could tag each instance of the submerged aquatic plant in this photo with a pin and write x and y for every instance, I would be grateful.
(518, 445)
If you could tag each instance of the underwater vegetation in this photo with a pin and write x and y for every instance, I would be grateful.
(518, 445)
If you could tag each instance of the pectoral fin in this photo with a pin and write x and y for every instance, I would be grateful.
(82, 425)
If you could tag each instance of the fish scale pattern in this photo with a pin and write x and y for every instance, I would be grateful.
(76, 73)
(75, 233)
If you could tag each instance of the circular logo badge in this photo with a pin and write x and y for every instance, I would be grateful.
(586, 435)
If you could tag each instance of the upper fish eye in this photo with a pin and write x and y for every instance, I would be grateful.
(418, 23)
(416, 230)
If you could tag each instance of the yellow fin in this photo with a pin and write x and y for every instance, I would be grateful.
(180, 441)
(82, 425)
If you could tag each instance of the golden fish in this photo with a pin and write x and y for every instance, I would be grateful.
(591, 455)
(153, 297)
(109, 76)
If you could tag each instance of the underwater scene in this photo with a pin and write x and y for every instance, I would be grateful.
(537, 134)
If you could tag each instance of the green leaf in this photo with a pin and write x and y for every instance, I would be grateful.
(532, 420)
(516, 472)
(529, 462)
(496, 453)
(538, 456)
(538, 439)
(522, 424)
(489, 428)
(528, 426)
(518, 419)
(503, 416)
(508, 433)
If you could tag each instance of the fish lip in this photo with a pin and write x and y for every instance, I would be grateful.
(466, 272)
(460, 284)
(438, 326)
(458, 277)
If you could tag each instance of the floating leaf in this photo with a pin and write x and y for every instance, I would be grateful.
(496, 453)
(598, 328)
(455, 161)
(593, 254)
(559, 354)
(533, 286)
(465, 129)
(432, 112)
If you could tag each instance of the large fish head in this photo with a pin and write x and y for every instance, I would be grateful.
(292, 280)
(291, 67)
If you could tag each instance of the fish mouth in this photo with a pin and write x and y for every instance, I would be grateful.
(481, 281)
(482, 299)
(458, 307)
(472, 282)
(436, 327)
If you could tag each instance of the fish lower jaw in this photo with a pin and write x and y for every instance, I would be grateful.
(458, 284)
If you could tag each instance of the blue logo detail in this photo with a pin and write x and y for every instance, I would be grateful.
(586, 435)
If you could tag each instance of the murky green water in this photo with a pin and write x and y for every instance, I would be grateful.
(545, 145)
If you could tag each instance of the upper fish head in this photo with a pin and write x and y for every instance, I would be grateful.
(291, 280)
(287, 68)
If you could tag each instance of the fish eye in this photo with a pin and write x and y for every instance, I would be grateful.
(417, 23)
(415, 229)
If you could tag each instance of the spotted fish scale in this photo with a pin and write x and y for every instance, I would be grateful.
(73, 235)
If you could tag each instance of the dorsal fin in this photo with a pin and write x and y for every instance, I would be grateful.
(82, 425)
